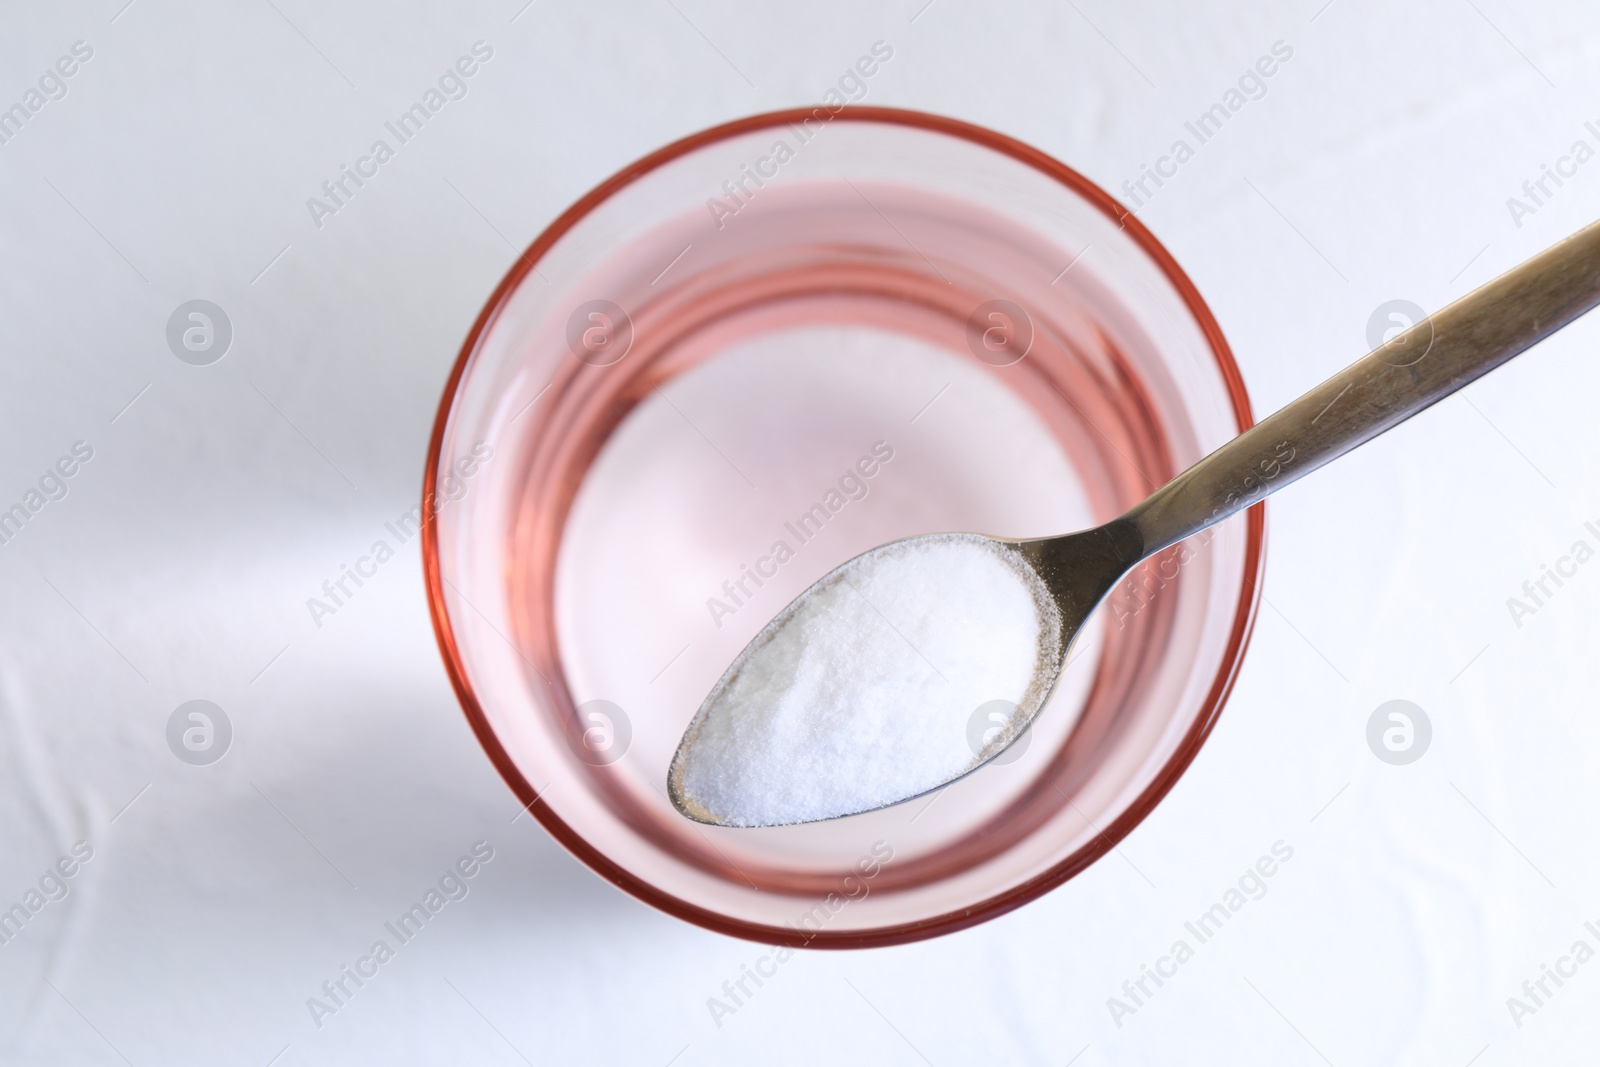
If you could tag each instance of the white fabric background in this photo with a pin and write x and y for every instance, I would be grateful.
(1376, 167)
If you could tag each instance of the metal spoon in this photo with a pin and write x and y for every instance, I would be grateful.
(1410, 372)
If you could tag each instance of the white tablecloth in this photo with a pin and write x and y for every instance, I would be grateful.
(176, 163)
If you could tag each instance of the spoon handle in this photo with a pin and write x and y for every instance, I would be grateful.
(1401, 377)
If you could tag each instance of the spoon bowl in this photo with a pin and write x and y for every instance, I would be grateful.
(1064, 577)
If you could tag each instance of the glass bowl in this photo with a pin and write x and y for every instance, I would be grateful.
(745, 359)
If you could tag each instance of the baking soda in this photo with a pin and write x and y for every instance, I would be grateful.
(861, 693)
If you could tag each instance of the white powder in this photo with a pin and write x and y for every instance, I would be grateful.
(861, 693)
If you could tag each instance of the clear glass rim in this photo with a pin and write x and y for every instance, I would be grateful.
(1016, 896)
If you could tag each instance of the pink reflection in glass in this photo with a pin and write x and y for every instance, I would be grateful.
(674, 391)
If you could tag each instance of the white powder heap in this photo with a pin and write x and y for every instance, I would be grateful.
(861, 693)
